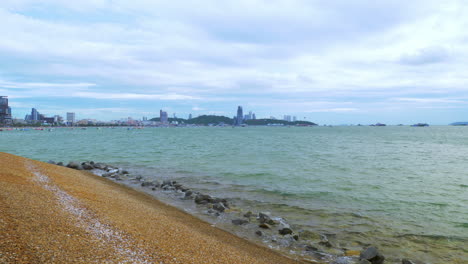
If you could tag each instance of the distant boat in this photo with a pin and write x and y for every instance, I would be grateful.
(420, 125)
(378, 124)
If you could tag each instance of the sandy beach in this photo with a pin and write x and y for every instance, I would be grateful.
(52, 214)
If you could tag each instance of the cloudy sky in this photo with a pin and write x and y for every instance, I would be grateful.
(332, 62)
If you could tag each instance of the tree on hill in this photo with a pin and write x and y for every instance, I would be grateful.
(210, 119)
(264, 122)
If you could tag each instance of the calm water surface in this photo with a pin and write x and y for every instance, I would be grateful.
(403, 188)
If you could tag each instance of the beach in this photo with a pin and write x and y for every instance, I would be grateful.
(53, 214)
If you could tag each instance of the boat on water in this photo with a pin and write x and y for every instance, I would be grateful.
(420, 125)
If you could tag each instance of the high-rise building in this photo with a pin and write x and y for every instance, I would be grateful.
(34, 115)
(163, 116)
(5, 111)
(253, 116)
(287, 118)
(294, 119)
(70, 119)
(190, 116)
(240, 116)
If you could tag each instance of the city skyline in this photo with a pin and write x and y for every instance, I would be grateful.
(395, 62)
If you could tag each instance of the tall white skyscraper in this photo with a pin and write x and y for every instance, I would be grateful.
(70, 118)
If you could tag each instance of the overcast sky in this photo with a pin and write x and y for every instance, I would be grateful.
(331, 62)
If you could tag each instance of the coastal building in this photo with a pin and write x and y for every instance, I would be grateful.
(5, 111)
(240, 116)
(70, 118)
(190, 116)
(287, 118)
(34, 115)
(294, 119)
(163, 116)
(253, 116)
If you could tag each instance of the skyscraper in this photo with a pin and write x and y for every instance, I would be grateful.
(240, 116)
(5, 111)
(190, 116)
(70, 119)
(34, 115)
(163, 116)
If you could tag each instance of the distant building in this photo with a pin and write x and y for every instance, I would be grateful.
(34, 115)
(5, 111)
(294, 119)
(71, 118)
(190, 116)
(287, 118)
(145, 118)
(240, 116)
(253, 116)
(163, 116)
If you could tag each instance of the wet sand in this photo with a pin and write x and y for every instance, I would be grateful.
(52, 214)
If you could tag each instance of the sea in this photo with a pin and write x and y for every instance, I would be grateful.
(403, 189)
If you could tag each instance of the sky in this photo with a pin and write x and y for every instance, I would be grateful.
(330, 62)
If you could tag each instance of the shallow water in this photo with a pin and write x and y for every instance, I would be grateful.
(402, 188)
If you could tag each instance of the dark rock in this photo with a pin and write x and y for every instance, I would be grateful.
(60, 163)
(147, 184)
(167, 182)
(188, 193)
(264, 226)
(373, 255)
(311, 248)
(178, 186)
(219, 207)
(239, 222)
(326, 244)
(406, 261)
(248, 214)
(296, 237)
(259, 233)
(105, 175)
(154, 189)
(91, 162)
(87, 166)
(99, 166)
(73, 165)
(285, 231)
(79, 167)
(138, 178)
(263, 218)
(203, 199)
(364, 261)
(51, 162)
(125, 172)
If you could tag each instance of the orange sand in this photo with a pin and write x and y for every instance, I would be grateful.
(52, 214)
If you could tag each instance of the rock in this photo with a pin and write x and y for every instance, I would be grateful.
(60, 163)
(296, 237)
(139, 178)
(188, 193)
(364, 261)
(373, 255)
(406, 261)
(105, 175)
(248, 214)
(311, 248)
(285, 231)
(203, 199)
(308, 235)
(324, 241)
(167, 182)
(91, 162)
(219, 207)
(259, 233)
(264, 226)
(352, 253)
(87, 166)
(154, 189)
(99, 166)
(73, 165)
(341, 260)
(239, 222)
(51, 162)
(147, 184)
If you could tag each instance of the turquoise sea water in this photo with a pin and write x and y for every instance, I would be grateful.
(402, 188)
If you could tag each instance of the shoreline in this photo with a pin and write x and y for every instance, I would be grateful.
(56, 214)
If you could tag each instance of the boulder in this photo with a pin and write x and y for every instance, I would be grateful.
(99, 166)
(51, 162)
(203, 199)
(73, 165)
(60, 163)
(341, 260)
(264, 226)
(285, 231)
(296, 237)
(188, 193)
(147, 184)
(239, 222)
(406, 261)
(248, 214)
(372, 254)
(364, 261)
(87, 166)
(311, 248)
(219, 207)
(259, 233)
